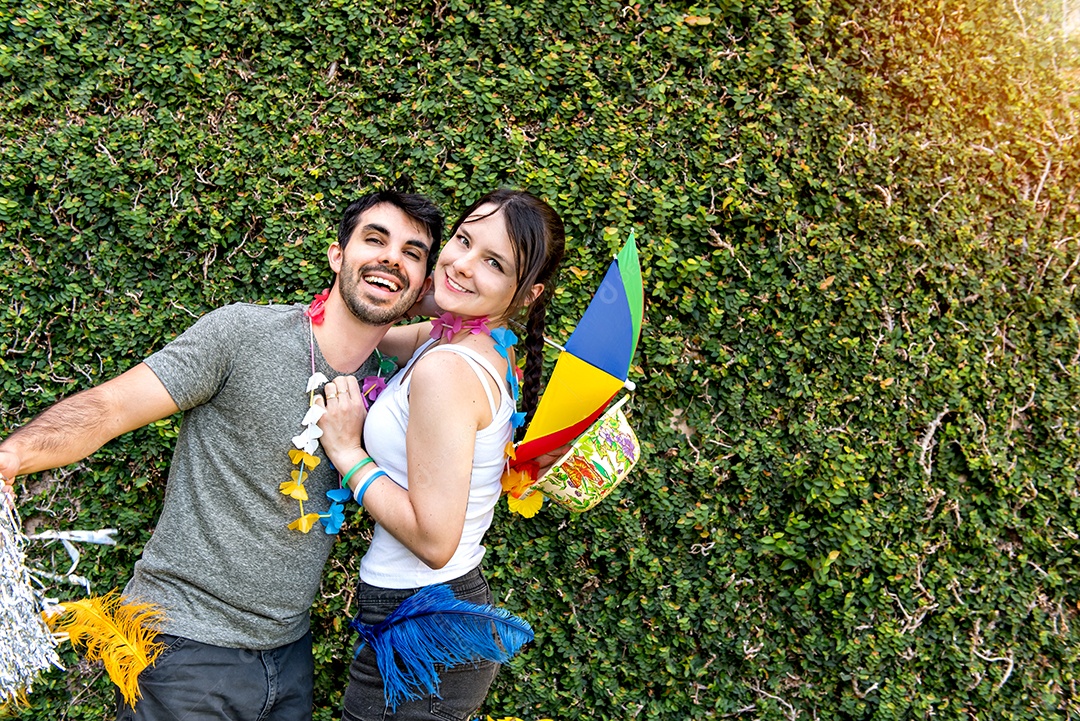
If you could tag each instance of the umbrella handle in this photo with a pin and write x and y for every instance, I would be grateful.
(548, 341)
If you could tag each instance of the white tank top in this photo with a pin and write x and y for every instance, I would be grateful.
(388, 563)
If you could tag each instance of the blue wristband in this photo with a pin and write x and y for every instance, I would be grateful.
(359, 495)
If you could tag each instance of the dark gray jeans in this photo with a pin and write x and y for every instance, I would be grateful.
(192, 681)
(461, 688)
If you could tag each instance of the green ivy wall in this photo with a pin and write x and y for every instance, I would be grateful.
(859, 370)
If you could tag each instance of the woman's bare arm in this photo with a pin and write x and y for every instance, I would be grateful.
(447, 405)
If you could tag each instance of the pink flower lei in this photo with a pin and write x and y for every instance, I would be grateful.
(316, 311)
(447, 325)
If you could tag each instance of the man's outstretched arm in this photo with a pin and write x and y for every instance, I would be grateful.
(77, 426)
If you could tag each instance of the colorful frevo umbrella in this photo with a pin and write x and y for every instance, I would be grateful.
(589, 371)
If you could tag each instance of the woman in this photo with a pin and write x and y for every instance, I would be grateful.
(438, 434)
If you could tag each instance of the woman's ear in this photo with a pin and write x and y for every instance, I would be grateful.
(534, 293)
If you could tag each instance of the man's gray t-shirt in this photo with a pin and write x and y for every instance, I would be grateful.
(221, 561)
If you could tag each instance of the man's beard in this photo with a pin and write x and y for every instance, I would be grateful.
(366, 311)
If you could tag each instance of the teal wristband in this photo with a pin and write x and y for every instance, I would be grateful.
(359, 495)
(354, 469)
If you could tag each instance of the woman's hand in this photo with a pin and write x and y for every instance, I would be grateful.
(547, 460)
(343, 423)
(425, 305)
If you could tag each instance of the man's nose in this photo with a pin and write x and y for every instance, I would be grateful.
(391, 255)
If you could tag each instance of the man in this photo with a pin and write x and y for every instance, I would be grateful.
(234, 581)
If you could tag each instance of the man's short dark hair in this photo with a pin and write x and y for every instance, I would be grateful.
(417, 207)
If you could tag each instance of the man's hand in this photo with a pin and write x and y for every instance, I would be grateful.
(9, 468)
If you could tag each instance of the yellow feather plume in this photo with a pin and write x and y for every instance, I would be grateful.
(13, 703)
(117, 632)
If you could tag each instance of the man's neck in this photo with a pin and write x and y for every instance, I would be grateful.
(345, 341)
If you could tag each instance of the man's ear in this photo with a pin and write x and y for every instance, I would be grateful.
(334, 254)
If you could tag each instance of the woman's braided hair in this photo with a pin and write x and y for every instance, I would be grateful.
(539, 240)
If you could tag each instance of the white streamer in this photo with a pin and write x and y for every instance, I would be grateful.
(27, 647)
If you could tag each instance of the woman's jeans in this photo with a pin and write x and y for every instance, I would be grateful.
(461, 688)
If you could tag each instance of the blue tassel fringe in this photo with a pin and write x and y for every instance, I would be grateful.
(434, 627)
